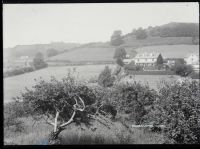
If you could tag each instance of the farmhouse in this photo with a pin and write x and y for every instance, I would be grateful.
(146, 59)
(193, 60)
(23, 61)
(172, 61)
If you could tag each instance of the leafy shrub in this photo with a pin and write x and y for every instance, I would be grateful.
(141, 34)
(116, 38)
(18, 71)
(105, 78)
(52, 52)
(167, 72)
(182, 69)
(134, 99)
(12, 112)
(93, 79)
(39, 62)
(194, 75)
(133, 67)
(178, 108)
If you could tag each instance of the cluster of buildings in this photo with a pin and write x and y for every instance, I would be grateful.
(150, 59)
(21, 62)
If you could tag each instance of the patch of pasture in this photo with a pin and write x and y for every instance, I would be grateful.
(171, 51)
(13, 86)
(16, 84)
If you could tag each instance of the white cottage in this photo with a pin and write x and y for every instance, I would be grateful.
(192, 59)
(146, 59)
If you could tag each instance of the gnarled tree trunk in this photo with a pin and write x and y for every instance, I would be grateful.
(53, 136)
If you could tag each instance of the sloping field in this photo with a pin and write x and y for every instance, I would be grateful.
(86, 54)
(14, 85)
(168, 51)
(106, 54)
(130, 41)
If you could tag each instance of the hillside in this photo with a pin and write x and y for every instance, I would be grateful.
(86, 54)
(172, 39)
(168, 51)
(150, 41)
(31, 50)
(106, 54)
(172, 33)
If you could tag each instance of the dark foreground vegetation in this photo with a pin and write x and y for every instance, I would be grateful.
(71, 112)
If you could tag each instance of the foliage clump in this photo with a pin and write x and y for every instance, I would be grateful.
(182, 69)
(116, 38)
(105, 78)
(134, 99)
(133, 67)
(12, 112)
(38, 61)
(178, 108)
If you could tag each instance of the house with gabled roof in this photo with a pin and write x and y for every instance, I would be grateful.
(146, 59)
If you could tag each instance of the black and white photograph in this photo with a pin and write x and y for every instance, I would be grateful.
(101, 73)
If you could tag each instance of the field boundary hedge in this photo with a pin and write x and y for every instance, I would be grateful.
(150, 72)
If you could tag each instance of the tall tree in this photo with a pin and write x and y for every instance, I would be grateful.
(38, 61)
(51, 52)
(105, 78)
(116, 38)
(160, 60)
(60, 103)
(120, 54)
(141, 34)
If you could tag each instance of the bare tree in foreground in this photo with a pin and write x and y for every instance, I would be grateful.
(61, 103)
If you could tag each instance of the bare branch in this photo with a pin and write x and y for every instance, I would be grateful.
(82, 104)
(76, 101)
(69, 121)
(48, 122)
(76, 105)
(56, 119)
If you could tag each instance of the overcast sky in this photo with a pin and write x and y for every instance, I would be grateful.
(82, 23)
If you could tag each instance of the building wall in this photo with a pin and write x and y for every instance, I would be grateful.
(145, 61)
(192, 59)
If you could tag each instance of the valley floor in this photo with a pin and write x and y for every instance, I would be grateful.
(13, 86)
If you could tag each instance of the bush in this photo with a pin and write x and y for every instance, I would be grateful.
(134, 99)
(178, 108)
(105, 78)
(133, 67)
(18, 71)
(182, 69)
(39, 62)
(194, 75)
(141, 34)
(12, 112)
(116, 38)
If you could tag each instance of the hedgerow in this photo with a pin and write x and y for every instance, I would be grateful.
(178, 108)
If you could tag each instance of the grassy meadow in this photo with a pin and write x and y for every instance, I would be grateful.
(87, 54)
(101, 54)
(36, 133)
(168, 51)
(16, 84)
